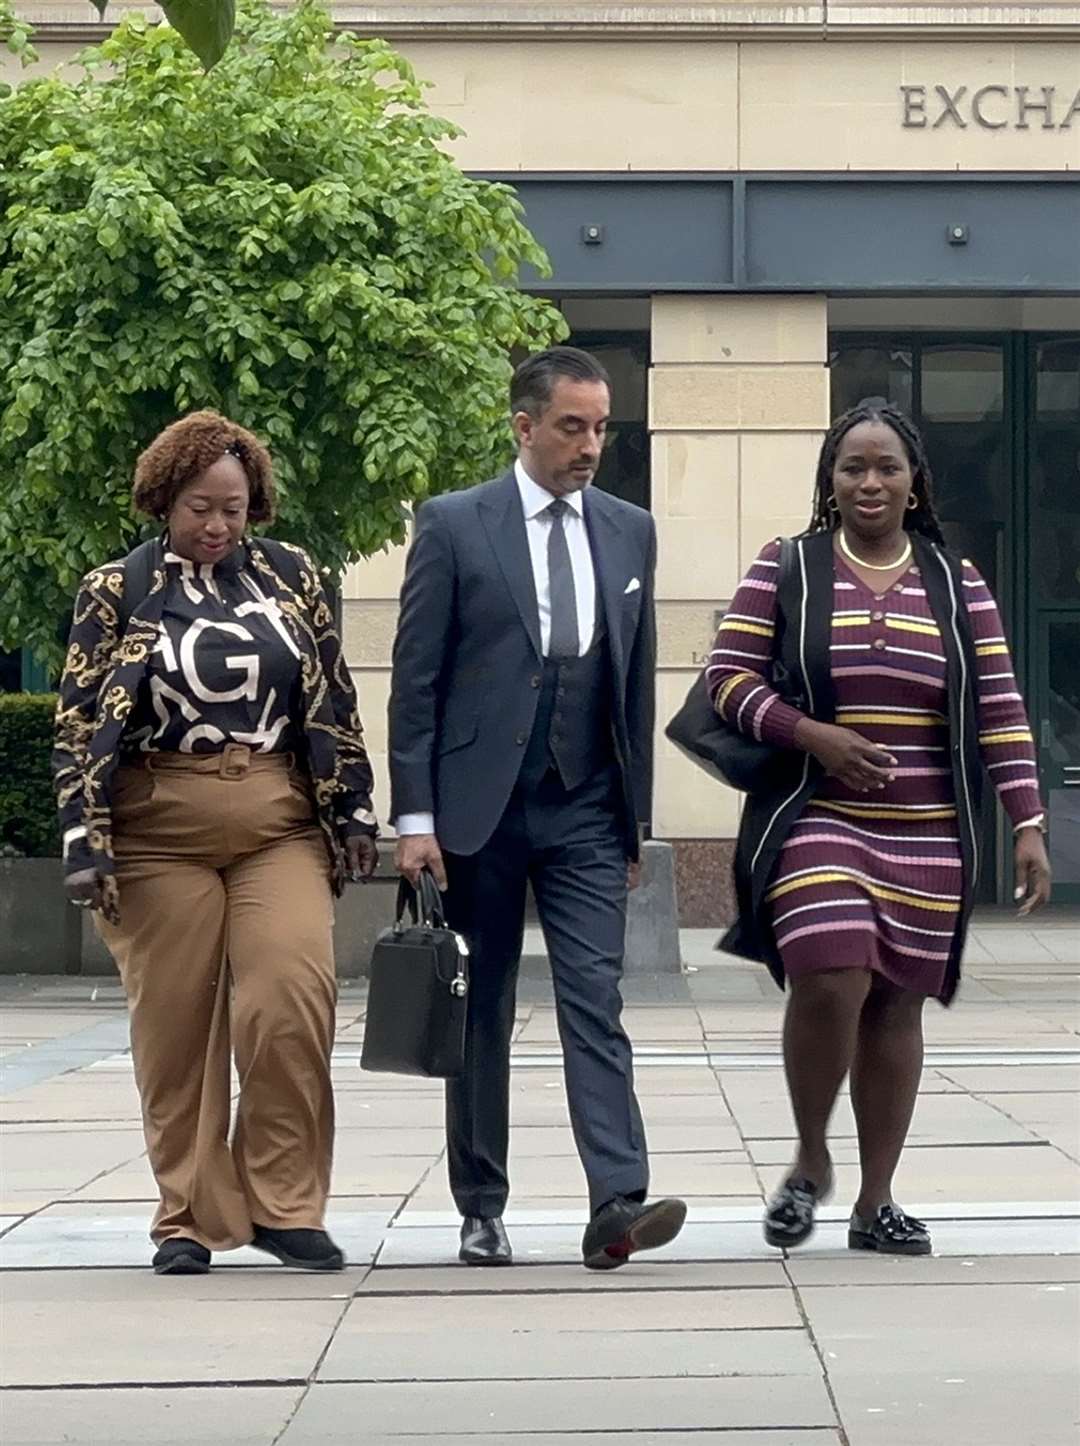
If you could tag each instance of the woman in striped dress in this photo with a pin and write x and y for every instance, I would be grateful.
(867, 902)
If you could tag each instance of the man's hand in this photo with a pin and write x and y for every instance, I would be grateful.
(847, 755)
(417, 852)
(84, 889)
(633, 874)
(1032, 871)
(361, 857)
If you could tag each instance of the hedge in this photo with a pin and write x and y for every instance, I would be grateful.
(27, 804)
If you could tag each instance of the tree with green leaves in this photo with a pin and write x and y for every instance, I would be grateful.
(284, 239)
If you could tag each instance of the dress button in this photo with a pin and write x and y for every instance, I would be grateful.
(879, 645)
(520, 740)
(534, 681)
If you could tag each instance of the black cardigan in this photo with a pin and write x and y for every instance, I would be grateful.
(803, 639)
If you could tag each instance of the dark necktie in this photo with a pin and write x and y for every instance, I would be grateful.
(564, 642)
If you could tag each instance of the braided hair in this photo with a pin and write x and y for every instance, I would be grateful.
(922, 518)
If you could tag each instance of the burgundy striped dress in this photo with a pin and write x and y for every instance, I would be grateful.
(874, 881)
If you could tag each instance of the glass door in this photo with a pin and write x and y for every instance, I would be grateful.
(1054, 533)
(1057, 733)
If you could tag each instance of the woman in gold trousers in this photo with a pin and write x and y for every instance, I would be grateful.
(214, 792)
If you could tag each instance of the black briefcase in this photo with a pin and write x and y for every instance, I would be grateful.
(417, 990)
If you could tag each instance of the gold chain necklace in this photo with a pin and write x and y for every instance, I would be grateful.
(904, 557)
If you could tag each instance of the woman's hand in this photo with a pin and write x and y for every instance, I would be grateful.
(361, 857)
(846, 755)
(84, 889)
(1032, 871)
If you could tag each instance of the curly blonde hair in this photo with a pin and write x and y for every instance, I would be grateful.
(184, 450)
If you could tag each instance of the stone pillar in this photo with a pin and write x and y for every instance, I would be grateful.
(739, 400)
(369, 609)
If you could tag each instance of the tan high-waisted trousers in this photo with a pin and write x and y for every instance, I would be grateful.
(225, 935)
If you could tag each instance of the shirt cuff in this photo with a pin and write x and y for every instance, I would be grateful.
(414, 823)
(1039, 822)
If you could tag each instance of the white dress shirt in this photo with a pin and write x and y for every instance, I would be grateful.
(538, 524)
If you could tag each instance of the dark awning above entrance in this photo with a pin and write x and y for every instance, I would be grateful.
(854, 233)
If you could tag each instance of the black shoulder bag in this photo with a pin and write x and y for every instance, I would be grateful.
(700, 733)
(417, 990)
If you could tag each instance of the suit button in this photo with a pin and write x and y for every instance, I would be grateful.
(521, 740)
(879, 645)
(534, 681)
(877, 618)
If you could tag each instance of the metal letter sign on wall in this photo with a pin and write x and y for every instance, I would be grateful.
(993, 107)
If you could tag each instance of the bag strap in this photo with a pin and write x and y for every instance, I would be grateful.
(423, 905)
(138, 579)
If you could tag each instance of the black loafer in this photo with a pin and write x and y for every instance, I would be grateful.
(623, 1227)
(302, 1249)
(181, 1257)
(484, 1242)
(789, 1218)
(891, 1232)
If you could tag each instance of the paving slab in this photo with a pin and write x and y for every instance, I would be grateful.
(651, 1273)
(142, 1287)
(206, 1416)
(877, 1271)
(507, 1353)
(330, 1413)
(63, 1160)
(163, 1341)
(635, 1311)
(623, 1438)
(991, 1079)
(1035, 1172)
(943, 1376)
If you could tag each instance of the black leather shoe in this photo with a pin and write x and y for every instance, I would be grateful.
(891, 1232)
(302, 1249)
(623, 1227)
(181, 1257)
(789, 1218)
(484, 1242)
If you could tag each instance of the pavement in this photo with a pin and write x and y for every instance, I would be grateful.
(715, 1339)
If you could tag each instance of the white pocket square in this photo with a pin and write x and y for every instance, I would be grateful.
(632, 586)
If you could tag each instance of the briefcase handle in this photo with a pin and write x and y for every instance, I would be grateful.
(423, 905)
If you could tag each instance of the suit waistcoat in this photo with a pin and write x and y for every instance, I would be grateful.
(573, 733)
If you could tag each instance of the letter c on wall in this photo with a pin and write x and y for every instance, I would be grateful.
(977, 106)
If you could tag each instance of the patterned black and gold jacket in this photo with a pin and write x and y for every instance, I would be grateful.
(106, 663)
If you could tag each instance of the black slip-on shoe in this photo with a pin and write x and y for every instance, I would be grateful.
(181, 1256)
(484, 1242)
(891, 1232)
(623, 1227)
(789, 1217)
(302, 1249)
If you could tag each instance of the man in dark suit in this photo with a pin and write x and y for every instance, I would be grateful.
(521, 743)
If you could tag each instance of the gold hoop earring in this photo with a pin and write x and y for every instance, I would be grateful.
(913, 503)
(831, 503)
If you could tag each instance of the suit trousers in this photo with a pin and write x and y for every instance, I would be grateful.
(570, 846)
(225, 947)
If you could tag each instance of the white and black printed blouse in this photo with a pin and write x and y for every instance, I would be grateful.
(226, 669)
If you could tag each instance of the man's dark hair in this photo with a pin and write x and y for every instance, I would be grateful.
(534, 380)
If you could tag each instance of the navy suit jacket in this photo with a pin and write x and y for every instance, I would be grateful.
(467, 658)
